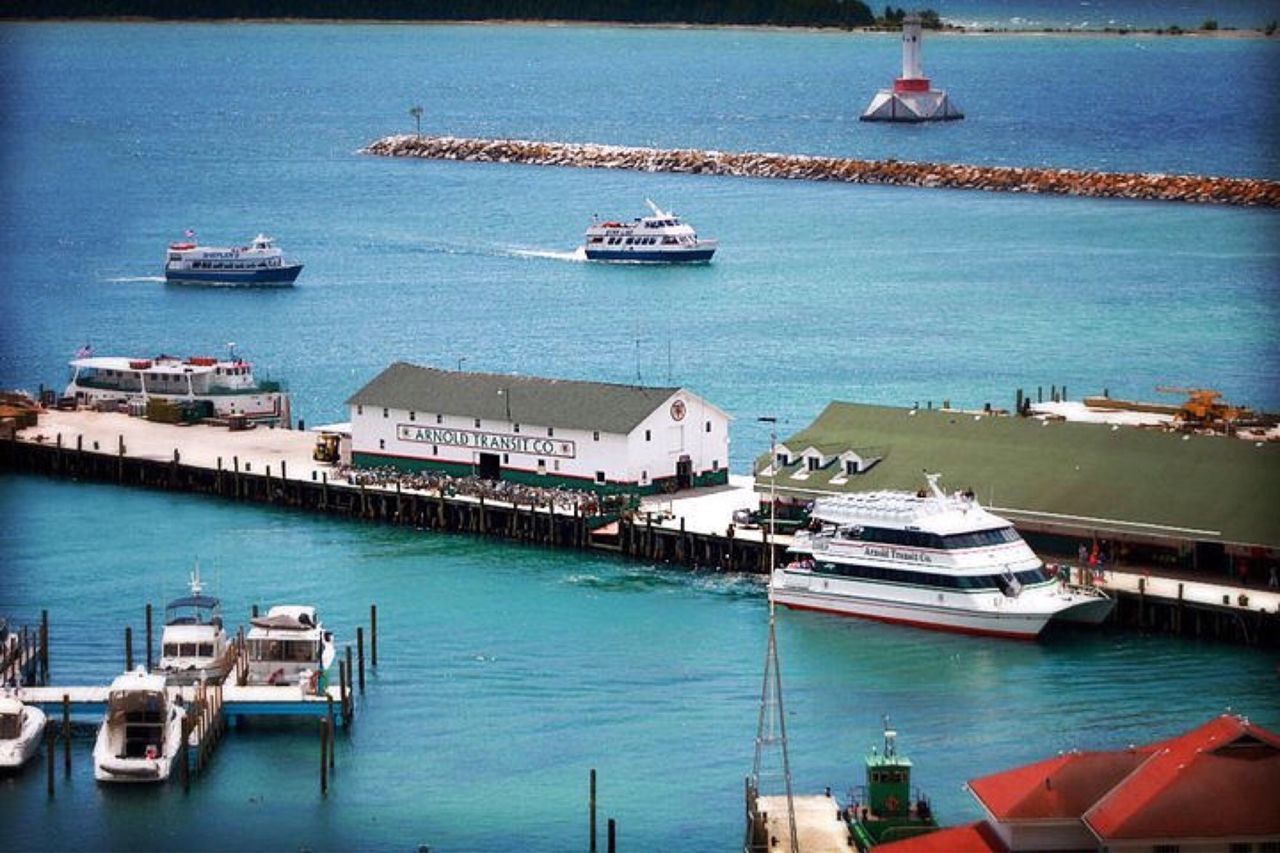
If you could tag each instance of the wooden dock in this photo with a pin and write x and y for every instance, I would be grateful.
(236, 701)
(819, 826)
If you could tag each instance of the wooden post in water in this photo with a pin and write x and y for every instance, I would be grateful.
(50, 733)
(360, 654)
(593, 810)
(184, 757)
(128, 648)
(148, 636)
(373, 634)
(342, 688)
(1180, 606)
(350, 687)
(255, 611)
(44, 645)
(324, 757)
(613, 836)
(66, 734)
(1142, 602)
(329, 697)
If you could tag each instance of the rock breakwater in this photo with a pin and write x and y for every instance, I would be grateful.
(1158, 187)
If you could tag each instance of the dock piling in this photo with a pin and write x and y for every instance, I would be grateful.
(373, 634)
(324, 757)
(613, 836)
(592, 811)
(49, 734)
(350, 698)
(360, 655)
(330, 719)
(128, 648)
(148, 636)
(66, 734)
(44, 646)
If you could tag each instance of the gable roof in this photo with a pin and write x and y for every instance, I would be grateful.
(1063, 787)
(566, 403)
(971, 838)
(1217, 781)
(1076, 474)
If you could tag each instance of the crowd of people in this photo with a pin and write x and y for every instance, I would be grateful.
(521, 494)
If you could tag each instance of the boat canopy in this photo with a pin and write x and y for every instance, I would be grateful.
(124, 703)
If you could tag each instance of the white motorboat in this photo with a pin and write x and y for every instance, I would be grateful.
(658, 239)
(288, 647)
(927, 559)
(194, 646)
(141, 734)
(260, 263)
(21, 728)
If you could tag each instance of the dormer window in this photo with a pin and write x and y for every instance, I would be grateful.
(813, 463)
(782, 459)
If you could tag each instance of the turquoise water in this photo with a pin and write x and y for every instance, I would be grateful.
(510, 671)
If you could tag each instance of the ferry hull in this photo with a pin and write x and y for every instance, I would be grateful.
(283, 276)
(1021, 626)
(693, 256)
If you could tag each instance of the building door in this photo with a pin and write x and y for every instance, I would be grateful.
(684, 473)
(490, 466)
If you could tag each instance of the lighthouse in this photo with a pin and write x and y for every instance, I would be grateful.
(912, 98)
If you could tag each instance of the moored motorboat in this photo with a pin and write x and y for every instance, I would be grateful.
(141, 734)
(927, 559)
(260, 263)
(194, 646)
(289, 647)
(658, 239)
(21, 727)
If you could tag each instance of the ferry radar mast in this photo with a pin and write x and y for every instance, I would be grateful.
(772, 726)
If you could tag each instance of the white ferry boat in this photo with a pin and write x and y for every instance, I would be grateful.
(289, 647)
(658, 239)
(142, 732)
(259, 263)
(227, 385)
(194, 646)
(927, 559)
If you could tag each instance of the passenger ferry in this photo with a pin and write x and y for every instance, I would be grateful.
(259, 263)
(289, 647)
(928, 559)
(227, 387)
(658, 239)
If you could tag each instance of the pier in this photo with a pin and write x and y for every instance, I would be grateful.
(688, 529)
(1199, 189)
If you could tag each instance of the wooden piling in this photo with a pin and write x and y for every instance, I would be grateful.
(350, 687)
(329, 698)
(49, 734)
(342, 689)
(184, 757)
(324, 757)
(66, 734)
(373, 634)
(360, 654)
(148, 636)
(128, 649)
(613, 836)
(592, 811)
(1142, 602)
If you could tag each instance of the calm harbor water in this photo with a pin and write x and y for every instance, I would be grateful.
(510, 671)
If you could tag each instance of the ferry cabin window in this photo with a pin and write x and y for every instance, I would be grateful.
(922, 578)
(384, 413)
(171, 650)
(921, 539)
(708, 428)
(477, 423)
(595, 436)
(359, 410)
(439, 419)
(413, 416)
(648, 435)
(542, 466)
(599, 476)
(206, 650)
(515, 427)
(551, 431)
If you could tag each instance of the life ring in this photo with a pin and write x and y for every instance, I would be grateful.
(891, 803)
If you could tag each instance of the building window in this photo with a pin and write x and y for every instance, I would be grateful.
(782, 459)
(542, 466)
(851, 466)
(413, 416)
(556, 464)
(477, 423)
(551, 431)
(813, 463)
(715, 464)
(708, 426)
(439, 419)
(648, 435)
(515, 427)
(599, 476)
(385, 413)
(359, 410)
(595, 435)
(382, 444)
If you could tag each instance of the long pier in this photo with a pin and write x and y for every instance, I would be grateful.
(274, 467)
(1202, 189)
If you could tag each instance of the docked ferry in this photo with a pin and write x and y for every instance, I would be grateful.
(658, 239)
(226, 386)
(259, 263)
(927, 559)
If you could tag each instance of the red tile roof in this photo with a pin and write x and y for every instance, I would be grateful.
(1063, 787)
(1217, 781)
(974, 838)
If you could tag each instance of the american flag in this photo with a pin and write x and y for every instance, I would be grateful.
(84, 351)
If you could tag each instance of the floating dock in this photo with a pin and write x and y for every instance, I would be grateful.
(1201, 189)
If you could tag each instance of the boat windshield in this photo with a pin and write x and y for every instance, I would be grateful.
(10, 726)
(301, 651)
(137, 706)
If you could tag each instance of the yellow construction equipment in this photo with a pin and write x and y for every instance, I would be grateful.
(326, 447)
(1204, 409)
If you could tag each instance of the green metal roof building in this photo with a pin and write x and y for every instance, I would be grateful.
(1074, 479)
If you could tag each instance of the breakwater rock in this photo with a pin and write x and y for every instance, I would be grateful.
(1132, 185)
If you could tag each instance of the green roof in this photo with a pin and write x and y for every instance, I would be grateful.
(1074, 475)
(565, 403)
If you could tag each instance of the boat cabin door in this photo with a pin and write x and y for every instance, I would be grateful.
(684, 473)
(490, 467)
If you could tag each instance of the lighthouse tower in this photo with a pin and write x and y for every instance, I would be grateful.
(911, 98)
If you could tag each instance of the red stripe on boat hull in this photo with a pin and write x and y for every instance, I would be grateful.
(934, 626)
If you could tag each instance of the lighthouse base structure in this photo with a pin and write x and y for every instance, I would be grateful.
(911, 106)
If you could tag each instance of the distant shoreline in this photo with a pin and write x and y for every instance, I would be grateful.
(1043, 32)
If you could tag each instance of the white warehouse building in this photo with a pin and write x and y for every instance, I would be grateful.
(549, 432)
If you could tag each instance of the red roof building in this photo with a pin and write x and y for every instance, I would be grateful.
(1216, 787)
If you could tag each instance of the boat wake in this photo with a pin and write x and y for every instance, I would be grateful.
(131, 279)
(578, 255)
